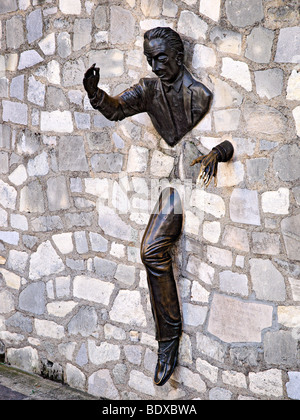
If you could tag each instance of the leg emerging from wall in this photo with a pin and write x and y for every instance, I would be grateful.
(163, 230)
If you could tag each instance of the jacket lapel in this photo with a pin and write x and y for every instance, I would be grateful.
(162, 104)
(187, 95)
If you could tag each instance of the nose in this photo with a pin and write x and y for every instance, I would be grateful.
(155, 65)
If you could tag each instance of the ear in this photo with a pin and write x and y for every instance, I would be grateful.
(179, 58)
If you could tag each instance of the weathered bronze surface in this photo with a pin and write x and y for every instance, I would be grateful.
(176, 103)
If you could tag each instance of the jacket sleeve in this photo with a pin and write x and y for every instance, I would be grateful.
(126, 104)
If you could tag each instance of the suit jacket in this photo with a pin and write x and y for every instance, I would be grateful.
(149, 96)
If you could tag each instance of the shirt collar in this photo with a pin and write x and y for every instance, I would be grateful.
(175, 85)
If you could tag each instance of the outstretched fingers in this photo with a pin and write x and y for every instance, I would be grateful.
(198, 160)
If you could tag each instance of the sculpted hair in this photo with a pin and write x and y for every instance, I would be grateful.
(172, 37)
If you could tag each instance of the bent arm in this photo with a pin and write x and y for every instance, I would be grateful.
(114, 108)
(110, 106)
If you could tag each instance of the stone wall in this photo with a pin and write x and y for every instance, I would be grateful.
(76, 192)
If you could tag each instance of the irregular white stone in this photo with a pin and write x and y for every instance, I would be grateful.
(191, 25)
(201, 269)
(49, 329)
(192, 223)
(3, 218)
(117, 250)
(112, 224)
(62, 285)
(192, 380)
(9, 237)
(244, 207)
(92, 289)
(235, 237)
(225, 96)
(97, 186)
(289, 316)
(203, 57)
(268, 383)
(295, 286)
(114, 62)
(7, 303)
(127, 308)
(24, 4)
(15, 112)
(67, 349)
(98, 243)
(137, 159)
(47, 45)
(296, 115)
(194, 315)
(120, 200)
(161, 164)
(237, 71)
(52, 72)
(276, 202)
(231, 282)
(64, 44)
(246, 327)
(230, 174)
(60, 309)
(106, 352)
(211, 231)
(207, 202)
(11, 339)
(110, 331)
(199, 293)
(8, 195)
(36, 91)
(147, 24)
(142, 383)
(207, 370)
(38, 166)
(211, 8)
(28, 59)
(18, 176)
(17, 260)
(293, 87)
(75, 378)
(125, 274)
(25, 358)
(268, 283)
(11, 62)
(101, 385)
(45, 262)
(293, 386)
(70, 7)
(57, 121)
(234, 378)
(64, 242)
(227, 119)
(219, 256)
(11, 279)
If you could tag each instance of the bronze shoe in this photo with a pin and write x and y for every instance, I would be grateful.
(167, 359)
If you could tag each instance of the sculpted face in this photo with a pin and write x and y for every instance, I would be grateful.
(165, 62)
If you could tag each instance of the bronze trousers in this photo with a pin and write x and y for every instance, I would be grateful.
(163, 230)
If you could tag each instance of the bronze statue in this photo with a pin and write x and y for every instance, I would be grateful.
(176, 103)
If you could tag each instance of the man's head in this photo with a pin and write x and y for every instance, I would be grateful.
(164, 50)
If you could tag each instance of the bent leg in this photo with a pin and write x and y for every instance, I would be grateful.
(163, 230)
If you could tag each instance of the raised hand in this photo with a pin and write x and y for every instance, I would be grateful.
(91, 80)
